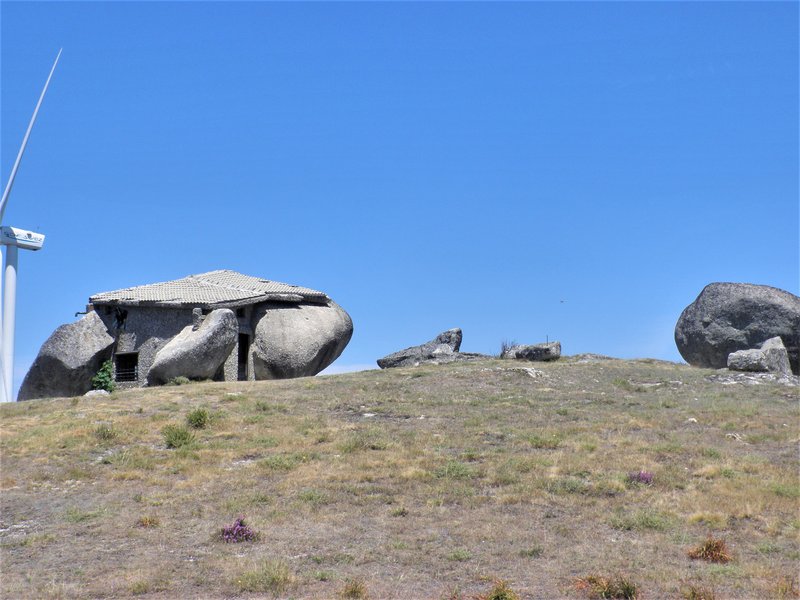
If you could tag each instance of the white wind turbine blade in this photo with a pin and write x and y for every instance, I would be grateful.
(13, 175)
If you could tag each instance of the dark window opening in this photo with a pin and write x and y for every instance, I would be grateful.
(120, 316)
(244, 350)
(127, 367)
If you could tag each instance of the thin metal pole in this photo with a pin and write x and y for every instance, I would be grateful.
(3, 396)
(10, 183)
(9, 310)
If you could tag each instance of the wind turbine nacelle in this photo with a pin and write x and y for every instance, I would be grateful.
(14, 236)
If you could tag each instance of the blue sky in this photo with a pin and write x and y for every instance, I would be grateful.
(427, 165)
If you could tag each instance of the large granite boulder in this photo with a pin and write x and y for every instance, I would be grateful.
(298, 340)
(198, 351)
(68, 360)
(770, 358)
(539, 352)
(443, 348)
(727, 317)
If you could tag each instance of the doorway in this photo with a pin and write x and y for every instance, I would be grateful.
(244, 351)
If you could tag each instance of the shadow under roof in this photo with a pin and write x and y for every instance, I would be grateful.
(215, 288)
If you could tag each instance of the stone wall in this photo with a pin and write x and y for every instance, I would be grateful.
(146, 330)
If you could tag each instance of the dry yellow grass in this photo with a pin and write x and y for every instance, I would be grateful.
(413, 482)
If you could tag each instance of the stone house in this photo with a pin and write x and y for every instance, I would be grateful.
(219, 325)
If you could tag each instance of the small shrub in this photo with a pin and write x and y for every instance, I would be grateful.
(694, 592)
(787, 587)
(198, 418)
(104, 379)
(148, 521)
(640, 478)
(712, 550)
(177, 436)
(786, 490)
(500, 591)
(642, 520)
(76, 515)
(287, 462)
(354, 589)
(180, 380)
(140, 587)
(272, 576)
(313, 498)
(544, 443)
(238, 532)
(105, 432)
(400, 511)
(627, 386)
(568, 485)
(454, 469)
(616, 587)
(366, 439)
(459, 555)
(532, 552)
(709, 519)
(453, 593)
(505, 346)
(271, 407)
(768, 548)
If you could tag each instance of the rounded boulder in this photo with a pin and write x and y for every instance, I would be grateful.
(728, 317)
(68, 360)
(196, 353)
(298, 340)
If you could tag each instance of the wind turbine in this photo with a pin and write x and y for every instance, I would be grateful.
(13, 239)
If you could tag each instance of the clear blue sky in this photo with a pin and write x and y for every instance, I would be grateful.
(427, 165)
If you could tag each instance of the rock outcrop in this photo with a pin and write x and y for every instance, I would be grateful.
(728, 317)
(443, 348)
(68, 360)
(770, 358)
(546, 351)
(300, 340)
(197, 352)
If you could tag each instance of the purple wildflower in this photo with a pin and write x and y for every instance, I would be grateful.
(238, 532)
(643, 477)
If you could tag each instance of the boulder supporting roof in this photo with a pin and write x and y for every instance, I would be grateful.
(213, 289)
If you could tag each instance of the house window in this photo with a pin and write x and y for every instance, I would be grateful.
(127, 367)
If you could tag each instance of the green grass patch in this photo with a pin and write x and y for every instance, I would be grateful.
(177, 436)
(454, 469)
(785, 490)
(543, 442)
(642, 520)
(198, 418)
(459, 555)
(73, 514)
(364, 439)
(287, 461)
(267, 576)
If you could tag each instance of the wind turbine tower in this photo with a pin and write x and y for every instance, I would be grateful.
(13, 239)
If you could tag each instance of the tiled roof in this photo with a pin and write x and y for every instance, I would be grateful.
(212, 288)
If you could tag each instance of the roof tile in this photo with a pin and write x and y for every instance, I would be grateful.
(214, 287)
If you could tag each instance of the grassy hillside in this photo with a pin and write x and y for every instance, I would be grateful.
(433, 482)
